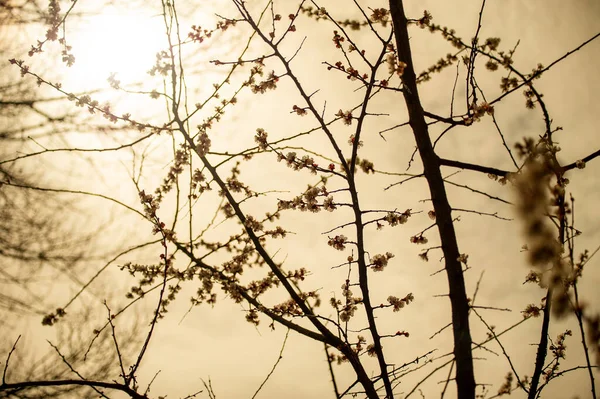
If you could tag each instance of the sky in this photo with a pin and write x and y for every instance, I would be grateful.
(217, 343)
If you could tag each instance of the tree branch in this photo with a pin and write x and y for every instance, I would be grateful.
(20, 386)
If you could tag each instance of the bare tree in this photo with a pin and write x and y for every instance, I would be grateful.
(223, 173)
(42, 250)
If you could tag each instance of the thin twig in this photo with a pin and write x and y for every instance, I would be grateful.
(14, 347)
(493, 334)
(287, 333)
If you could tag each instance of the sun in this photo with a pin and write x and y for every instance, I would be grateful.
(123, 42)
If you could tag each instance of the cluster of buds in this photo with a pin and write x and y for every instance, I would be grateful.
(51, 318)
(337, 39)
(288, 308)
(363, 164)
(236, 264)
(507, 84)
(203, 143)
(85, 100)
(181, 159)
(339, 359)
(198, 35)
(437, 67)
(296, 163)
(419, 239)
(162, 64)
(147, 275)
(308, 201)
(366, 166)
(509, 177)
(345, 116)
(425, 20)
(277, 232)
(107, 113)
(150, 203)
(380, 15)
(204, 293)
(338, 242)
(252, 316)
(477, 111)
(198, 183)
(292, 308)
(506, 387)
(463, 258)
(558, 349)
(236, 186)
(113, 81)
(448, 34)
(269, 84)
(380, 261)
(396, 218)
(93, 106)
(351, 73)
(491, 43)
(532, 310)
(253, 224)
(399, 303)
(358, 346)
(261, 286)
(395, 66)
(261, 139)
(346, 312)
(299, 111)
(320, 13)
(352, 140)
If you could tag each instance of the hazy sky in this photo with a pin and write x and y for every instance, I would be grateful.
(218, 343)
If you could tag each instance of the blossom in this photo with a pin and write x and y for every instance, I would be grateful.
(394, 218)
(346, 116)
(420, 239)
(261, 138)
(338, 242)
(203, 144)
(299, 111)
(366, 166)
(380, 15)
(399, 303)
(380, 261)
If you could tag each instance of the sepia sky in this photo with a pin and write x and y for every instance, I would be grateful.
(217, 343)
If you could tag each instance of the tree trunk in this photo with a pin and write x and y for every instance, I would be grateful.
(465, 379)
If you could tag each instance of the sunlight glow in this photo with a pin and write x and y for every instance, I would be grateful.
(124, 43)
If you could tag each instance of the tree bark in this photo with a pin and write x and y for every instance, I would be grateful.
(465, 379)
